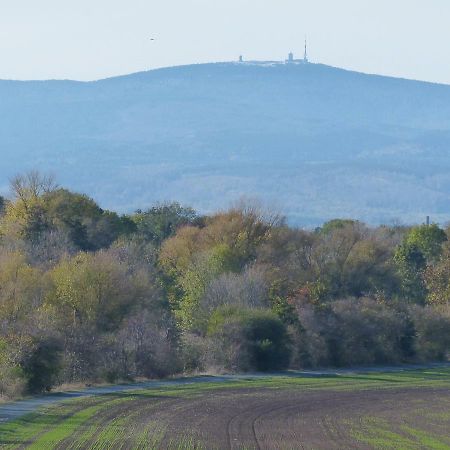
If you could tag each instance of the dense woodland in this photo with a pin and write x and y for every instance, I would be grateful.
(89, 295)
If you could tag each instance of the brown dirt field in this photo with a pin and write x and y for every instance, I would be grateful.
(284, 419)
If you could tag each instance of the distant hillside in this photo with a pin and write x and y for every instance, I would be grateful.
(316, 141)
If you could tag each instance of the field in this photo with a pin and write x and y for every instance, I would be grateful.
(405, 410)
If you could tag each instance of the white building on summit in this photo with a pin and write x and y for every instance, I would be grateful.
(291, 59)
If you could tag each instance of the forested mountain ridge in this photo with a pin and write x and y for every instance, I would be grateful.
(319, 141)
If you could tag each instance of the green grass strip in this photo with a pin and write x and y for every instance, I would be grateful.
(425, 439)
(22, 430)
(63, 430)
(67, 427)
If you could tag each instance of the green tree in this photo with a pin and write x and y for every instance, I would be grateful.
(428, 239)
(335, 224)
(162, 221)
(43, 365)
(421, 247)
(204, 268)
(411, 265)
(249, 339)
(88, 226)
(97, 289)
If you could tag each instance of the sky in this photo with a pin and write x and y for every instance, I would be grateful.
(93, 39)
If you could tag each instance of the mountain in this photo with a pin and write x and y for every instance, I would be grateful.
(315, 141)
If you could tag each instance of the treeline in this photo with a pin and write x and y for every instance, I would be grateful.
(89, 295)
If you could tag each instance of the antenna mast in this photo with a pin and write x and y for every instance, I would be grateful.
(305, 56)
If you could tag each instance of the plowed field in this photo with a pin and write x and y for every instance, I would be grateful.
(384, 411)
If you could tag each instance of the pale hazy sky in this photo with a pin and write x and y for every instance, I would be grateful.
(91, 39)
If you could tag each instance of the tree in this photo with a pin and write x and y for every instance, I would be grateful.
(248, 289)
(288, 256)
(88, 226)
(428, 239)
(2, 205)
(249, 339)
(191, 259)
(336, 244)
(369, 271)
(21, 292)
(12, 379)
(353, 332)
(28, 188)
(335, 224)
(40, 209)
(432, 334)
(141, 347)
(97, 289)
(204, 268)
(422, 246)
(90, 297)
(411, 265)
(437, 280)
(43, 366)
(162, 221)
(25, 216)
(243, 229)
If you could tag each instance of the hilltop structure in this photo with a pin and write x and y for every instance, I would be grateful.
(291, 59)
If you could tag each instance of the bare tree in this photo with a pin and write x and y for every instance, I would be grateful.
(248, 289)
(30, 186)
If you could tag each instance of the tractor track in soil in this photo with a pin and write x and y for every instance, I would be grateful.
(262, 418)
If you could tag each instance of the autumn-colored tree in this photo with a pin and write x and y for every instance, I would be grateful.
(195, 256)
(22, 290)
(437, 280)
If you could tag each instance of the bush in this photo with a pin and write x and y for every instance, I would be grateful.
(194, 352)
(432, 334)
(354, 332)
(43, 365)
(309, 348)
(140, 348)
(366, 332)
(267, 341)
(249, 339)
(12, 382)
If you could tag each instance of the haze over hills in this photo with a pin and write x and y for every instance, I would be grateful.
(318, 142)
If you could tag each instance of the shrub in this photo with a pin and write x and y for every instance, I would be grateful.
(432, 334)
(354, 332)
(249, 339)
(43, 365)
(194, 352)
(12, 382)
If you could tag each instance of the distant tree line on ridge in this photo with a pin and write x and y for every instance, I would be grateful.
(89, 295)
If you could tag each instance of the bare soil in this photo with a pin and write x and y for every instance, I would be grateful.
(282, 419)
